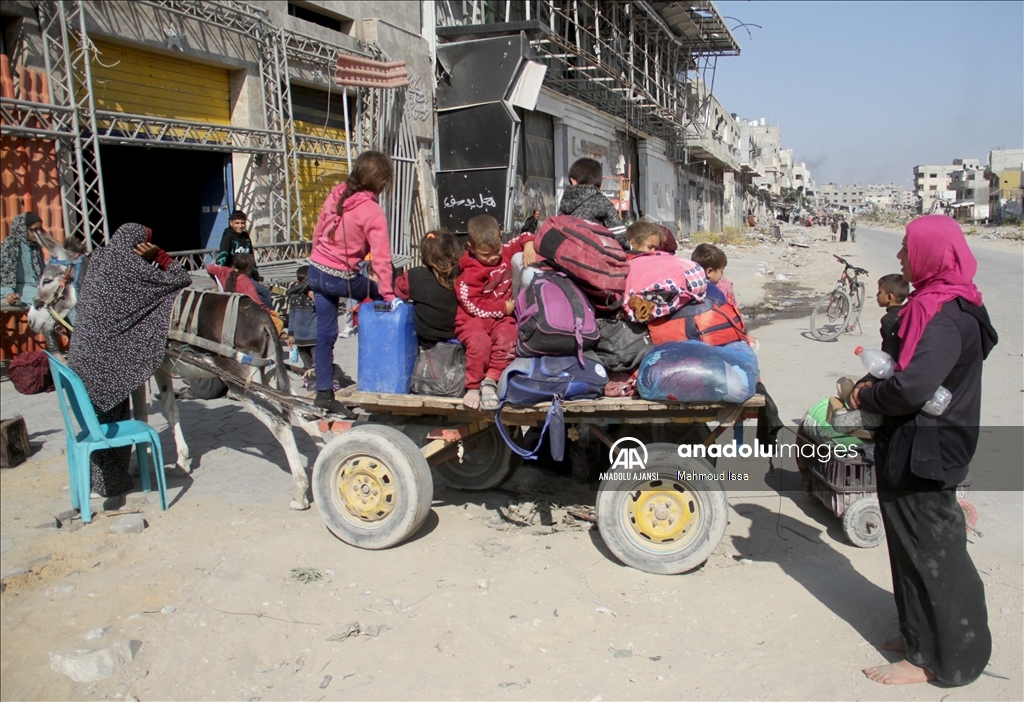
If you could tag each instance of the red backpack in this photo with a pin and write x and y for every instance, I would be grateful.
(715, 323)
(589, 255)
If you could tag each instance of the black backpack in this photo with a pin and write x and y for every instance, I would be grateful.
(622, 344)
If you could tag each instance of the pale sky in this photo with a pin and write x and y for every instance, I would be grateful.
(864, 91)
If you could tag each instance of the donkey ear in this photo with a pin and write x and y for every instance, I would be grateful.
(58, 252)
(54, 247)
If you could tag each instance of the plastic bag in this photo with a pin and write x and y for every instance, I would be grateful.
(692, 371)
(817, 428)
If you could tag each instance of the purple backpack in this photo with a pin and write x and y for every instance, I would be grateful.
(554, 318)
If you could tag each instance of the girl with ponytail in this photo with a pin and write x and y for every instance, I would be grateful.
(432, 287)
(236, 280)
(351, 225)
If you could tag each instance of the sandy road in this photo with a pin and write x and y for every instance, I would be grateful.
(471, 611)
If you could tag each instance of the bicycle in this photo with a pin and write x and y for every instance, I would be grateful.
(839, 311)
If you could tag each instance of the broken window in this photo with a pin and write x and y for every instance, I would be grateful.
(324, 18)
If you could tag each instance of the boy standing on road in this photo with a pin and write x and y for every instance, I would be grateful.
(892, 291)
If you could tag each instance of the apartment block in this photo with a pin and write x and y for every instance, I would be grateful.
(931, 184)
(1005, 172)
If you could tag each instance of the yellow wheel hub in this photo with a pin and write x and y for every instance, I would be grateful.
(663, 514)
(366, 488)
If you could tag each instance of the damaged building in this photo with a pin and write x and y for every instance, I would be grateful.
(621, 82)
(174, 113)
(207, 107)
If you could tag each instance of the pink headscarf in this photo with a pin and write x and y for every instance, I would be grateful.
(942, 267)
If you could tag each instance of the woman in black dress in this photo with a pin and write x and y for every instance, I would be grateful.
(124, 307)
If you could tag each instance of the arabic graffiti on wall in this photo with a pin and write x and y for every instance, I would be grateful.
(479, 202)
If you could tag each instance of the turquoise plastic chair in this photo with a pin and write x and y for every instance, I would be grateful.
(93, 436)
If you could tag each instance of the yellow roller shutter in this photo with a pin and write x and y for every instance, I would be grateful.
(317, 177)
(129, 80)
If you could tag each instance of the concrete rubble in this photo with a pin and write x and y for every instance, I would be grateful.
(83, 665)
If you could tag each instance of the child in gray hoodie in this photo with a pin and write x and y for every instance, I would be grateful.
(583, 198)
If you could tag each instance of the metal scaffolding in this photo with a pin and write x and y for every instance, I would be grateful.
(630, 58)
(78, 128)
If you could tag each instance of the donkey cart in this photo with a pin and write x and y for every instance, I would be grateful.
(373, 486)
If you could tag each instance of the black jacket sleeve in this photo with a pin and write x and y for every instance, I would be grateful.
(909, 389)
(224, 255)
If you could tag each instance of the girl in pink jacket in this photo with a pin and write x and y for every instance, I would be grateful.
(351, 225)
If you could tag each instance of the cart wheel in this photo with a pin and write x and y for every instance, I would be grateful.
(664, 525)
(970, 513)
(484, 465)
(862, 523)
(587, 456)
(372, 486)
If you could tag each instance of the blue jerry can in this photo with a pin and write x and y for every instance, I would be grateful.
(387, 347)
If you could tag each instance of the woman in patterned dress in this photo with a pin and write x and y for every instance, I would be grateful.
(123, 311)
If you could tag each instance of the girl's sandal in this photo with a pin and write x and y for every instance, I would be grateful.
(489, 395)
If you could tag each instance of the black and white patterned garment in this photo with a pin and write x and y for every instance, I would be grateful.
(10, 255)
(124, 307)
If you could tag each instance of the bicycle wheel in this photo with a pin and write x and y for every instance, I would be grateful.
(857, 298)
(828, 320)
(856, 306)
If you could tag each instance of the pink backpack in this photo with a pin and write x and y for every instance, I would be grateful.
(666, 281)
(589, 255)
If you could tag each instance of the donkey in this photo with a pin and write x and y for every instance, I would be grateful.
(254, 335)
(57, 290)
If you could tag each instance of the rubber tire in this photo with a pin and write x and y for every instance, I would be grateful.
(862, 523)
(629, 547)
(588, 457)
(415, 490)
(858, 296)
(822, 309)
(490, 465)
(666, 434)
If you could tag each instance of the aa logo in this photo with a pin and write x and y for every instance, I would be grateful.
(625, 457)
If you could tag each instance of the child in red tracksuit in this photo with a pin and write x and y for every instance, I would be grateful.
(484, 324)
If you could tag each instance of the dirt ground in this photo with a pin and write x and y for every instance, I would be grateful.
(486, 601)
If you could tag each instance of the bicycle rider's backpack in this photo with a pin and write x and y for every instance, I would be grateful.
(713, 322)
(589, 255)
(554, 318)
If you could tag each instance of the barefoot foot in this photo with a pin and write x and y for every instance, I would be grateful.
(894, 644)
(902, 673)
(472, 399)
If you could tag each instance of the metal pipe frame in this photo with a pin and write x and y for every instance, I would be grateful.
(124, 128)
(78, 128)
(619, 55)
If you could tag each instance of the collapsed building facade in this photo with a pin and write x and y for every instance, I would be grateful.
(622, 82)
(174, 113)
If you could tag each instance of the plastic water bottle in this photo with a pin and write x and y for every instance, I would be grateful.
(293, 355)
(880, 365)
(939, 402)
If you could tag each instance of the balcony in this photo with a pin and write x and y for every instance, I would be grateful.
(708, 145)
